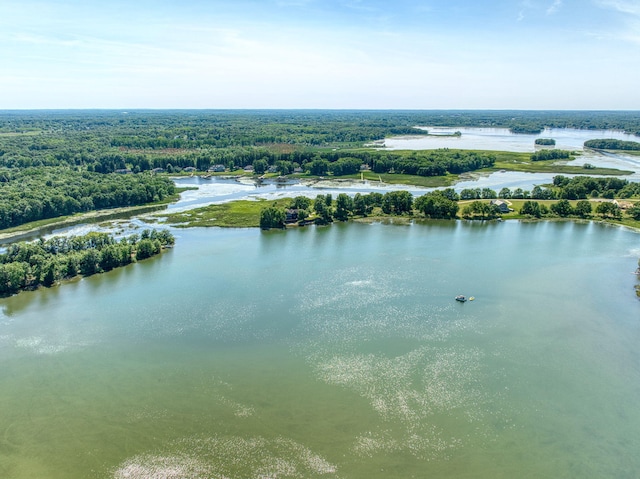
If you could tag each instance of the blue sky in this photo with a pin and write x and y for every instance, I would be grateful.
(405, 54)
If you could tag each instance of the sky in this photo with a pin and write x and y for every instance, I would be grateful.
(320, 54)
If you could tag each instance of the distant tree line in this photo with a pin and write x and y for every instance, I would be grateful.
(611, 144)
(32, 194)
(28, 265)
(143, 140)
(545, 141)
(526, 129)
(338, 163)
(578, 187)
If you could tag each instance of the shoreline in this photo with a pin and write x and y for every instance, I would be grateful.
(88, 217)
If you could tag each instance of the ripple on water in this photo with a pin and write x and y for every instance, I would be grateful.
(228, 457)
(400, 357)
(50, 346)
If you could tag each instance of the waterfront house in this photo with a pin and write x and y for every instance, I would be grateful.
(291, 215)
(501, 205)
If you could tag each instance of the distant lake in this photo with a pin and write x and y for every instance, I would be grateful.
(334, 352)
(500, 139)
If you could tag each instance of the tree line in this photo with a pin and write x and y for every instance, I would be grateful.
(143, 140)
(439, 204)
(576, 188)
(313, 161)
(611, 144)
(32, 194)
(28, 265)
(324, 210)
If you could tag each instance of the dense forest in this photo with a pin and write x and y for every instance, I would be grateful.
(31, 194)
(105, 141)
(43, 263)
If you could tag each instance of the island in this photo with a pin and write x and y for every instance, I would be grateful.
(611, 144)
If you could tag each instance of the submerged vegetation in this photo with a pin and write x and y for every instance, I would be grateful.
(28, 265)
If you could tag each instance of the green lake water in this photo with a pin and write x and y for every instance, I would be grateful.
(334, 352)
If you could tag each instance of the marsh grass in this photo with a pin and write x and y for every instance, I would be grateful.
(236, 214)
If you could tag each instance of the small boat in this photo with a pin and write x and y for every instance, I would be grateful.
(461, 298)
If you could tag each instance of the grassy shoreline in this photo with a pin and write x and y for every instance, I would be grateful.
(246, 214)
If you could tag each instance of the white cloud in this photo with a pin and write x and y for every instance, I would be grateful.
(554, 7)
(624, 6)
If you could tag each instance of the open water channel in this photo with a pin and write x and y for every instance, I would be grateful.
(335, 352)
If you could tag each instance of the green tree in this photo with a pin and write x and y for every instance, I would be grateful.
(300, 203)
(89, 260)
(147, 248)
(49, 273)
(583, 208)
(318, 167)
(360, 205)
(634, 211)
(436, 205)
(531, 208)
(470, 194)
(260, 166)
(13, 277)
(480, 210)
(562, 208)
(488, 194)
(110, 257)
(344, 205)
(397, 202)
(323, 211)
(608, 209)
(272, 217)
(505, 193)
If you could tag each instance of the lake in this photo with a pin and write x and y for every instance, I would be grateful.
(334, 352)
(500, 139)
